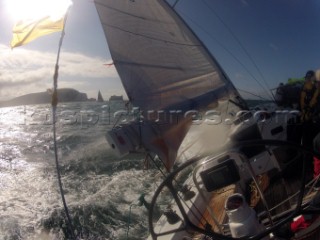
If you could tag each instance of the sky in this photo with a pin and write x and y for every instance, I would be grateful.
(259, 43)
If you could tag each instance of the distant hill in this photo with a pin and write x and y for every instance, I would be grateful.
(64, 95)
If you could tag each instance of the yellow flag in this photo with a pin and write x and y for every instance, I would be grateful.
(28, 30)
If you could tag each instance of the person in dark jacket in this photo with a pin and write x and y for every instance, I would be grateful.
(308, 100)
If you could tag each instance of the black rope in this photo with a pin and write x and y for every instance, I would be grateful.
(54, 103)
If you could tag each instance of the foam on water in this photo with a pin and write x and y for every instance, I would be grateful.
(99, 188)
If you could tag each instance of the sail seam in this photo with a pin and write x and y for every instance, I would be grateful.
(188, 83)
(133, 15)
(148, 65)
(152, 38)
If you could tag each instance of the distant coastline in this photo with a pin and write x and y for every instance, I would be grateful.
(72, 95)
(64, 95)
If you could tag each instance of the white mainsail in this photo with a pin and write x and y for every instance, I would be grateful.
(161, 62)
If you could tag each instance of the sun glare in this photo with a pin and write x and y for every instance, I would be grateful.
(35, 9)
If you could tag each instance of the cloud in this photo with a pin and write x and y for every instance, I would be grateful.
(23, 71)
(85, 66)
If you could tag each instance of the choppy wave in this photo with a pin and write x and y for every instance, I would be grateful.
(99, 188)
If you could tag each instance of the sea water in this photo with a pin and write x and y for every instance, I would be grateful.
(99, 187)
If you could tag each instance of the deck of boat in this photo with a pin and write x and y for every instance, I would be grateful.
(216, 204)
(278, 191)
(281, 195)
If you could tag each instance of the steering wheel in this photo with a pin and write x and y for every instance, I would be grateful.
(188, 225)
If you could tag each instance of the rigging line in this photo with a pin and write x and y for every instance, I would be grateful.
(227, 50)
(140, 128)
(175, 4)
(226, 80)
(157, 166)
(197, 209)
(253, 94)
(54, 103)
(240, 44)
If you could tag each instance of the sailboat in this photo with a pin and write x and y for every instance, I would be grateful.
(100, 98)
(227, 166)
